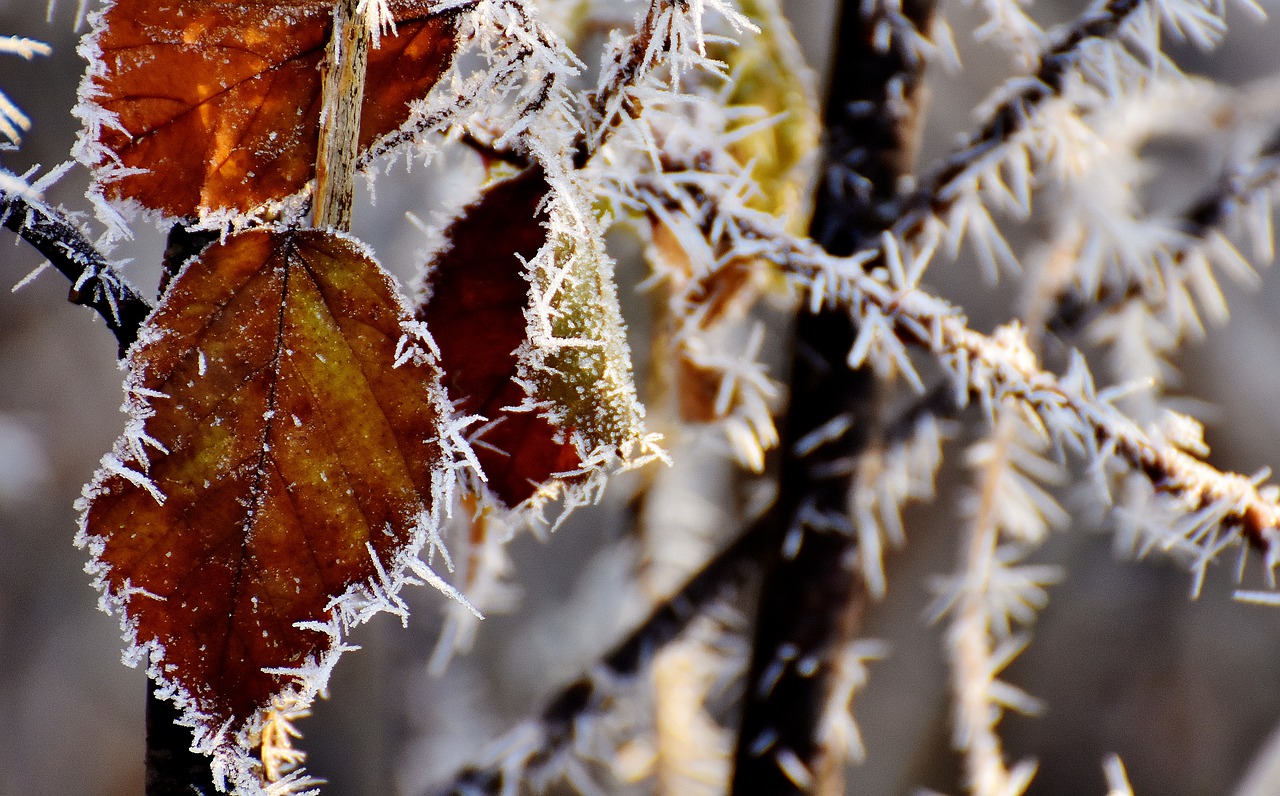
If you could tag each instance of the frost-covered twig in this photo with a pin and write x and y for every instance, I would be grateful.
(553, 730)
(895, 312)
(95, 283)
(1242, 198)
(995, 154)
(671, 36)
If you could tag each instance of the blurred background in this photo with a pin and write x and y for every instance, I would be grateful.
(1187, 692)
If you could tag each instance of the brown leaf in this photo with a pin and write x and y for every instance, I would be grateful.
(475, 311)
(217, 102)
(275, 448)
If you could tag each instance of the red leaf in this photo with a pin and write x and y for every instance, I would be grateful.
(475, 311)
(218, 102)
(278, 446)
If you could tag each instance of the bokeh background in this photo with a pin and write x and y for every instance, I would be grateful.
(1187, 692)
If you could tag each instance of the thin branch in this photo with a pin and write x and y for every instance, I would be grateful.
(937, 192)
(343, 75)
(1204, 221)
(556, 723)
(95, 284)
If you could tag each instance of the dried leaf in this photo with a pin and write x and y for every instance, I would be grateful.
(276, 448)
(212, 104)
(476, 313)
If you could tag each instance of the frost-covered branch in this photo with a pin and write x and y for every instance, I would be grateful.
(993, 598)
(1114, 43)
(552, 733)
(879, 284)
(895, 312)
(94, 282)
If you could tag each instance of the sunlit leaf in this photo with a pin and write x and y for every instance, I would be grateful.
(771, 75)
(215, 104)
(476, 313)
(275, 450)
(580, 363)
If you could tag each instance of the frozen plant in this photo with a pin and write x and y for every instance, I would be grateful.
(663, 273)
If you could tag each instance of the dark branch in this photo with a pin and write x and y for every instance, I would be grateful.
(1012, 115)
(727, 570)
(813, 596)
(94, 283)
(1209, 215)
(172, 768)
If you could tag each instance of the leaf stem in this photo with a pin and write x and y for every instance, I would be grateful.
(346, 59)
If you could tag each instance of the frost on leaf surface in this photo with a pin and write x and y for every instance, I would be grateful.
(475, 308)
(277, 460)
(212, 105)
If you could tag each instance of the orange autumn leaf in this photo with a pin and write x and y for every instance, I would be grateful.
(279, 459)
(475, 311)
(205, 105)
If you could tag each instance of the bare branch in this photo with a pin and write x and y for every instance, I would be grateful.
(814, 594)
(343, 73)
(94, 283)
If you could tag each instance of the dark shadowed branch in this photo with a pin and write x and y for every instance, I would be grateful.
(172, 768)
(94, 283)
(813, 596)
